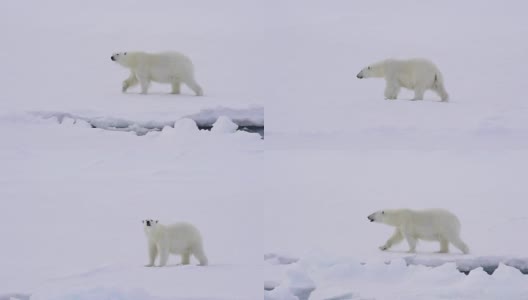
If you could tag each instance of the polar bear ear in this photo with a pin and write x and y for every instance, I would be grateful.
(143, 221)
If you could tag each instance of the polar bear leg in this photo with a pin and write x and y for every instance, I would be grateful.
(200, 255)
(164, 254)
(444, 245)
(418, 93)
(411, 241)
(392, 90)
(193, 85)
(153, 252)
(145, 83)
(439, 89)
(186, 258)
(129, 82)
(176, 87)
(457, 242)
(394, 239)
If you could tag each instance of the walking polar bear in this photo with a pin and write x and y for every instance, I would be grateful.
(430, 225)
(178, 238)
(167, 67)
(415, 74)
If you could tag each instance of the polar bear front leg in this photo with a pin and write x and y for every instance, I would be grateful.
(144, 81)
(411, 240)
(392, 90)
(129, 82)
(153, 253)
(394, 239)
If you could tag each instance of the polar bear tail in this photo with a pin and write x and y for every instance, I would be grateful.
(438, 87)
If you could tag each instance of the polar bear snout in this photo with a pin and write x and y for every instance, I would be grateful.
(360, 75)
(371, 218)
(150, 222)
(112, 58)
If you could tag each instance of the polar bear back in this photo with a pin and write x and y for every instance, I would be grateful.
(182, 236)
(411, 73)
(162, 67)
(428, 224)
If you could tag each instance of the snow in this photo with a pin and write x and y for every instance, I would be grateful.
(224, 125)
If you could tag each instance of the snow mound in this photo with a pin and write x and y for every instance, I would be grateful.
(279, 259)
(224, 125)
(227, 123)
(253, 116)
(348, 279)
(14, 296)
(107, 293)
(466, 265)
(186, 125)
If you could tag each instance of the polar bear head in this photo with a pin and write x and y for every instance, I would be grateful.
(374, 70)
(389, 217)
(121, 58)
(150, 223)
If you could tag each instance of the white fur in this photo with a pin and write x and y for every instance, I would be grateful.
(430, 225)
(415, 74)
(179, 238)
(167, 67)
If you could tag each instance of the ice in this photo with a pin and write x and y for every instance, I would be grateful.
(224, 125)
(185, 125)
(15, 296)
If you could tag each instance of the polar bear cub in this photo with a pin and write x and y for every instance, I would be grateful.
(430, 225)
(166, 67)
(178, 238)
(415, 74)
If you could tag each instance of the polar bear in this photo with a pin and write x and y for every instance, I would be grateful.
(414, 74)
(167, 67)
(430, 225)
(178, 238)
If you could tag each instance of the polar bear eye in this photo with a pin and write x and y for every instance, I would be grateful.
(369, 69)
(382, 212)
(125, 53)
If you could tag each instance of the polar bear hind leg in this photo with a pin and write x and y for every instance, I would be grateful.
(444, 245)
(419, 92)
(176, 87)
(457, 242)
(186, 258)
(193, 85)
(200, 255)
(440, 90)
